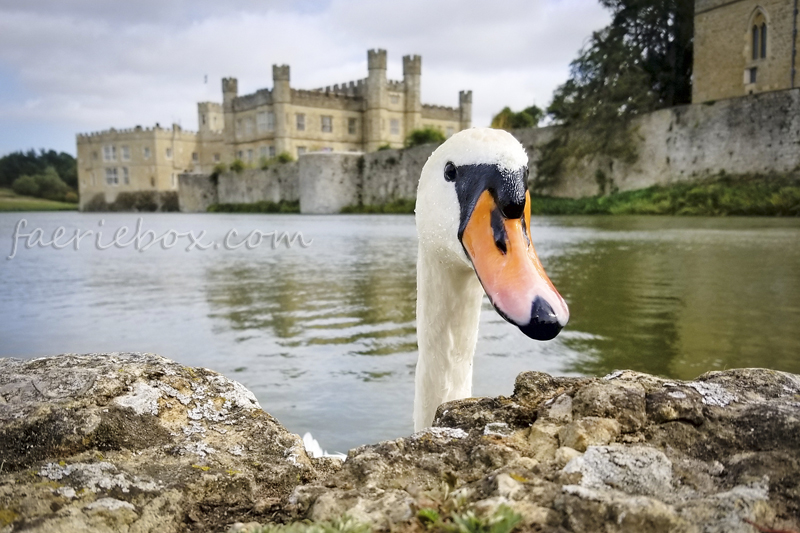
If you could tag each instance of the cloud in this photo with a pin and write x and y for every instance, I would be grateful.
(84, 65)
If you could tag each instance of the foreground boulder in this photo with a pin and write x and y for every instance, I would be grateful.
(128, 442)
(136, 442)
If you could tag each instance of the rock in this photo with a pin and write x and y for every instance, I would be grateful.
(127, 442)
(136, 441)
(589, 431)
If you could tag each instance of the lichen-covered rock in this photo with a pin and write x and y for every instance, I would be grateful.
(136, 442)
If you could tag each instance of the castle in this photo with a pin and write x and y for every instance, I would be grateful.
(358, 116)
(743, 47)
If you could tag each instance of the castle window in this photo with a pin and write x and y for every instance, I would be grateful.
(109, 152)
(204, 119)
(301, 122)
(126, 153)
(168, 153)
(270, 121)
(239, 127)
(111, 176)
(272, 151)
(763, 40)
(248, 126)
(394, 126)
(301, 150)
(216, 158)
(240, 154)
(394, 98)
(351, 126)
(146, 152)
(195, 157)
(327, 123)
(250, 155)
(753, 71)
(263, 151)
(755, 42)
(126, 177)
(261, 121)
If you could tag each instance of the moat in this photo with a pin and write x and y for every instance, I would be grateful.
(325, 336)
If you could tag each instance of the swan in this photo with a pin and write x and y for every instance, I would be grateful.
(473, 222)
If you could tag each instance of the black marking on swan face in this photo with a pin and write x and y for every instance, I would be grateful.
(507, 188)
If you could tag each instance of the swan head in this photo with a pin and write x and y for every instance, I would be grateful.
(473, 212)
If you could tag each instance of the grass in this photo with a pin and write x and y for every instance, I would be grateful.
(11, 201)
(282, 206)
(402, 206)
(770, 195)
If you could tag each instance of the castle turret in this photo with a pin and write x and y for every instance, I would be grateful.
(281, 101)
(230, 90)
(465, 108)
(375, 101)
(210, 117)
(412, 71)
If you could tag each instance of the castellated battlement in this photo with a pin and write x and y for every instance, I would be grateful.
(328, 100)
(464, 97)
(394, 85)
(209, 107)
(230, 85)
(157, 129)
(376, 59)
(350, 88)
(440, 112)
(280, 72)
(412, 65)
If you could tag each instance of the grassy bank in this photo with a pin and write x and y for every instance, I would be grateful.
(402, 206)
(771, 195)
(257, 207)
(11, 201)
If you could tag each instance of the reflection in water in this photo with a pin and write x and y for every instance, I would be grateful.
(325, 336)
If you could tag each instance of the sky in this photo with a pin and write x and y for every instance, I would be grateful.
(77, 66)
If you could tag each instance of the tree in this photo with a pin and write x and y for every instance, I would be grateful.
(424, 136)
(641, 62)
(509, 120)
(29, 163)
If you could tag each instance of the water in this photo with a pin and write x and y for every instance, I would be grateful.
(325, 335)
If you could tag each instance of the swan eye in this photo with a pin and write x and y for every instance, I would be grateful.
(450, 172)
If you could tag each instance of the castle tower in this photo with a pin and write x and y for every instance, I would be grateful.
(230, 90)
(376, 100)
(412, 71)
(465, 108)
(281, 101)
(210, 117)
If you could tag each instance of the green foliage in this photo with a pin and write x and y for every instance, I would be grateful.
(502, 520)
(284, 157)
(30, 163)
(386, 146)
(220, 168)
(397, 207)
(771, 195)
(641, 62)
(136, 201)
(427, 135)
(238, 165)
(509, 120)
(345, 524)
(25, 186)
(282, 206)
(47, 185)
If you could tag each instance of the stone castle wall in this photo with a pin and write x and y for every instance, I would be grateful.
(754, 134)
(757, 134)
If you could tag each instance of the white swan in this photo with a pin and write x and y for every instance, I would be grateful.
(473, 222)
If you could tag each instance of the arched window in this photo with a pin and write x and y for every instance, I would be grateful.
(763, 40)
(755, 42)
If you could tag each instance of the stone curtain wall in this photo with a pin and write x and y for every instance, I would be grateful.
(754, 134)
(757, 134)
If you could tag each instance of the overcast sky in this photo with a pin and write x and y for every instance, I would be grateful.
(70, 66)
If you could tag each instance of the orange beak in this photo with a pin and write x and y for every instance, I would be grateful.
(501, 250)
